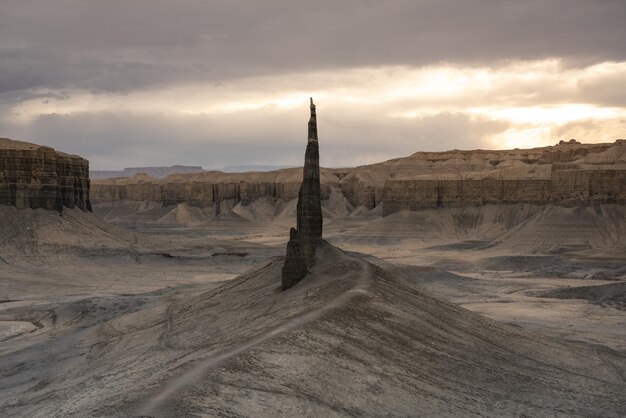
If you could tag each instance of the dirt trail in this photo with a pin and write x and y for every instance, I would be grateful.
(198, 368)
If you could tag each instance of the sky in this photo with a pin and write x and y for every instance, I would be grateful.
(129, 83)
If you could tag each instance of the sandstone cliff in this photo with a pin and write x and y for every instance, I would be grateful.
(424, 179)
(577, 183)
(206, 189)
(33, 176)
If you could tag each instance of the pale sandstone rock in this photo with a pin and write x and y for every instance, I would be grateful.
(522, 176)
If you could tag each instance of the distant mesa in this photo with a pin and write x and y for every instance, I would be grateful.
(38, 177)
(303, 241)
(162, 172)
(154, 172)
(253, 168)
(569, 174)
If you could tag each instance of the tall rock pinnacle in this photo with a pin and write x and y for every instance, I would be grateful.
(302, 242)
(309, 200)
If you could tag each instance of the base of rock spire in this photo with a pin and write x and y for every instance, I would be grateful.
(295, 268)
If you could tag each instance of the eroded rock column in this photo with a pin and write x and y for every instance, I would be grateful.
(309, 213)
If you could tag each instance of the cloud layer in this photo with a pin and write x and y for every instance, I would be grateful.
(137, 82)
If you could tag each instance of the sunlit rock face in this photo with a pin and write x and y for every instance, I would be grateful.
(568, 174)
(302, 242)
(33, 176)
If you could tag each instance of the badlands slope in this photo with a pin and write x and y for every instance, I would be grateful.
(355, 338)
(99, 321)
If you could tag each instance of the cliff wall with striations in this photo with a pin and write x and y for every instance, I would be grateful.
(207, 189)
(429, 194)
(422, 180)
(568, 185)
(33, 176)
(586, 184)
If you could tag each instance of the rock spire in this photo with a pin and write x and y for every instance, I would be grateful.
(304, 239)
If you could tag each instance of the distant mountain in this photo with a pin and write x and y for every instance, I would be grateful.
(154, 172)
(247, 168)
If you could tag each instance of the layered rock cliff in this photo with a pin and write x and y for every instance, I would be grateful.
(424, 179)
(33, 176)
(597, 177)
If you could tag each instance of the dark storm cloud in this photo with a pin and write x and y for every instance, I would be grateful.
(120, 45)
(215, 83)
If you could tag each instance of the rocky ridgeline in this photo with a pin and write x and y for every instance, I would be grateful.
(155, 172)
(33, 176)
(303, 240)
(598, 177)
(424, 179)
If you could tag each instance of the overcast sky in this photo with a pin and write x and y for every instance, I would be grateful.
(221, 83)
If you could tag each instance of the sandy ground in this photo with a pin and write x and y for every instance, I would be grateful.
(412, 321)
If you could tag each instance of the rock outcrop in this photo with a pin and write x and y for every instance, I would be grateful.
(33, 176)
(309, 213)
(563, 184)
(309, 210)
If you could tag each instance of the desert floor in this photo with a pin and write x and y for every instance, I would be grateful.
(97, 320)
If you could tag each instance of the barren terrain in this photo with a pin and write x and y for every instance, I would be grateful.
(493, 311)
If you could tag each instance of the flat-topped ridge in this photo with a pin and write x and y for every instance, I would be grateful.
(38, 177)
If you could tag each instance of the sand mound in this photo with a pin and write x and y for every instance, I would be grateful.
(337, 206)
(41, 237)
(148, 216)
(443, 225)
(228, 218)
(130, 213)
(260, 210)
(518, 229)
(287, 213)
(557, 229)
(38, 236)
(284, 213)
(185, 215)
